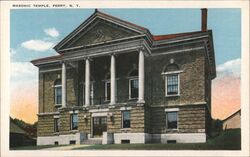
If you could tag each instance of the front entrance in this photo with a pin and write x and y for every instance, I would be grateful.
(99, 126)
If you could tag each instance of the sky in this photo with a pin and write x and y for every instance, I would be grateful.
(42, 29)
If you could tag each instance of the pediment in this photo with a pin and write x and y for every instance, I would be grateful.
(99, 31)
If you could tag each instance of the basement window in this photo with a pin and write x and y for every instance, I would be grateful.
(125, 141)
(171, 141)
(56, 143)
(72, 142)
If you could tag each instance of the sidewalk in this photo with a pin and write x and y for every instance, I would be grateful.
(69, 147)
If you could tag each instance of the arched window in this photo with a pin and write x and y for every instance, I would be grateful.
(58, 92)
(133, 84)
(172, 79)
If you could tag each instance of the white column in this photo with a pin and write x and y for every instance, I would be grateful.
(87, 82)
(112, 81)
(141, 78)
(63, 84)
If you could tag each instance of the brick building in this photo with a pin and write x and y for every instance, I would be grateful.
(114, 82)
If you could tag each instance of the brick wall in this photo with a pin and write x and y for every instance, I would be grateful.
(190, 119)
(45, 125)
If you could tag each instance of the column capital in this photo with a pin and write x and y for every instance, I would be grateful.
(63, 61)
(113, 54)
(141, 49)
(87, 58)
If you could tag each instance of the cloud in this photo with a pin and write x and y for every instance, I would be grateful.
(23, 72)
(226, 89)
(230, 68)
(37, 45)
(52, 32)
(24, 91)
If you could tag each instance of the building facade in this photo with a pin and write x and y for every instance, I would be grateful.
(115, 82)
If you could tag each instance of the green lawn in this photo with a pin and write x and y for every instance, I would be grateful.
(228, 140)
(35, 147)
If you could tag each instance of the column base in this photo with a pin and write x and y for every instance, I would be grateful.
(112, 103)
(141, 101)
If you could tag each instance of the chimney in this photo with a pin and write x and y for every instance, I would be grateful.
(204, 19)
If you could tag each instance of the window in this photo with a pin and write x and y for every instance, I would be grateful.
(56, 125)
(133, 87)
(172, 84)
(74, 121)
(107, 91)
(58, 92)
(171, 118)
(125, 119)
(133, 83)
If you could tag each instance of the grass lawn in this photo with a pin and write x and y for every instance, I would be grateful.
(35, 147)
(228, 140)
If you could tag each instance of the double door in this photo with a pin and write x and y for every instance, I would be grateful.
(99, 126)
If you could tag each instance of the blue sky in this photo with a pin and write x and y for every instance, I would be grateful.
(225, 24)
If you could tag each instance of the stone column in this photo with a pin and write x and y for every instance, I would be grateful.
(141, 77)
(63, 84)
(87, 82)
(112, 81)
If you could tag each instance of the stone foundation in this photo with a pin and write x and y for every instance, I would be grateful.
(119, 138)
(61, 139)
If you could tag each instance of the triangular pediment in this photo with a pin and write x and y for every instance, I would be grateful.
(99, 31)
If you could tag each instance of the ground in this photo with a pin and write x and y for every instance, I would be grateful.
(228, 140)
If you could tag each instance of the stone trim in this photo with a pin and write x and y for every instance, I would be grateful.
(61, 139)
(47, 113)
(50, 70)
(181, 105)
(101, 114)
(99, 110)
(125, 108)
(172, 109)
(172, 72)
(56, 116)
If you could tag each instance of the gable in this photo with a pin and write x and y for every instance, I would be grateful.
(100, 31)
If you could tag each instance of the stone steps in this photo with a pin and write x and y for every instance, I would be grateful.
(92, 141)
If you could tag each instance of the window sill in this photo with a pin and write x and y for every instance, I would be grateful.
(58, 105)
(74, 131)
(132, 99)
(125, 129)
(56, 133)
(174, 95)
(171, 130)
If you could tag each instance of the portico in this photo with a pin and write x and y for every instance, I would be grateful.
(113, 78)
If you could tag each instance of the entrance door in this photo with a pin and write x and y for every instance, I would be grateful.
(99, 126)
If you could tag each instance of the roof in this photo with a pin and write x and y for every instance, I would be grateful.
(172, 36)
(15, 128)
(129, 23)
(35, 61)
(238, 111)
